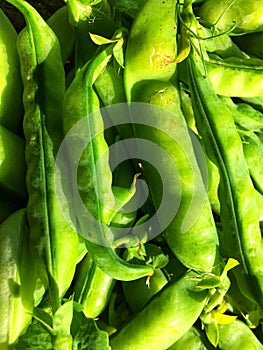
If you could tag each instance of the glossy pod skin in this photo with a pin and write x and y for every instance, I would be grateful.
(237, 335)
(11, 104)
(18, 278)
(53, 241)
(165, 319)
(190, 340)
(81, 101)
(245, 15)
(12, 174)
(238, 209)
(146, 79)
(92, 288)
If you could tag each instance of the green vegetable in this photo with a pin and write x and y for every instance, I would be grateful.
(11, 105)
(165, 319)
(18, 278)
(53, 241)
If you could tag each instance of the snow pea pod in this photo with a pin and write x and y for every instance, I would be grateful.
(236, 77)
(18, 278)
(237, 335)
(11, 103)
(165, 319)
(246, 16)
(59, 23)
(81, 101)
(238, 209)
(151, 49)
(92, 288)
(253, 151)
(54, 243)
(12, 174)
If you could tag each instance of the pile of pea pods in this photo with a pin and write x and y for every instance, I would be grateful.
(84, 263)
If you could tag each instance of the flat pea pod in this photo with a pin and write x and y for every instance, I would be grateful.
(59, 23)
(18, 278)
(81, 101)
(253, 151)
(151, 48)
(12, 174)
(11, 105)
(238, 209)
(235, 77)
(246, 17)
(237, 335)
(191, 234)
(190, 340)
(165, 319)
(54, 243)
(245, 116)
(92, 288)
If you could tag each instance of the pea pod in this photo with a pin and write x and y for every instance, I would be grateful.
(12, 174)
(253, 151)
(53, 240)
(11, 105)
(237, 335)
(165, 319)
(81, 101)
(151, 49)
(191, 340)
(238, 208)
(59, 23)
(92, 288)
(244, 17)
(18, 278)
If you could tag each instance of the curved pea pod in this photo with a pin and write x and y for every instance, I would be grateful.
(190, 340)
(246, 17)
(151, 49)
(235, 77)
(245, 115)
(12, 173)
(138, 293)
(165, 319)
(237, 335)
(81, 104)
(18, 278)
(253, 151)
(238, 208)
(191, 234)
(251, 44)
(11, 104)
(59, 23)
(54, 242)
(92, 288)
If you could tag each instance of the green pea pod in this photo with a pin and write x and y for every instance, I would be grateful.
(59, 23)
(253, 151)
(165, 319)
(11, 105)
(236, 77)
(151, 50)
(92, 288)
(237, 335)
(12, 174)
(245, 17)
(18, 278)
(81, 101)
(53, 241)
(245, 115)
(238, 209)
(190, 340)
